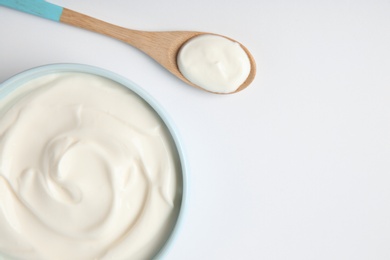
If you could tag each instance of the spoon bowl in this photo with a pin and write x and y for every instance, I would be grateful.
(163, 47)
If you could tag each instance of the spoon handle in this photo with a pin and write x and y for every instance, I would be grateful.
(57, 13)
(130, 36)
(149, 42)
(161, 46)
(36, 7)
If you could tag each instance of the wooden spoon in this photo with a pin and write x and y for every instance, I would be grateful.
(161, 46)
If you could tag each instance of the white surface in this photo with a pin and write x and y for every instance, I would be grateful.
(294, 167)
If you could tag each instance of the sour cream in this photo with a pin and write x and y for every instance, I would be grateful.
(214, 63)
(87, 171)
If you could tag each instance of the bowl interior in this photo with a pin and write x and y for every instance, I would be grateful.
(18, 80)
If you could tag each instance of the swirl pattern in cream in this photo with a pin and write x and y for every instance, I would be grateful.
(87, 171)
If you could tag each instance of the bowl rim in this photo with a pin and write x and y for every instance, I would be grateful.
(20, 78)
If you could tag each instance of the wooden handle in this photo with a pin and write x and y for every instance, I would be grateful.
(161, 46)
(148, 42)
(92, 24)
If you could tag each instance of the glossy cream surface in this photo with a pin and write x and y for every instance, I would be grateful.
(87, 171)
(214, 63)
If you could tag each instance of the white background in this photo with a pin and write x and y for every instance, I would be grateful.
(295, 167)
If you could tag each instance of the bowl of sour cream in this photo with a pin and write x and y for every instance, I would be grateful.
(91, 167)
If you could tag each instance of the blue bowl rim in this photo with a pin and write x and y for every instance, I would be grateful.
(19, 79)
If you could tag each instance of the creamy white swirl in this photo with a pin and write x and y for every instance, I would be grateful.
(214, 63)
(87, 171)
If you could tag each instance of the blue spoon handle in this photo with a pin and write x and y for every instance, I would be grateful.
(36, 7)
